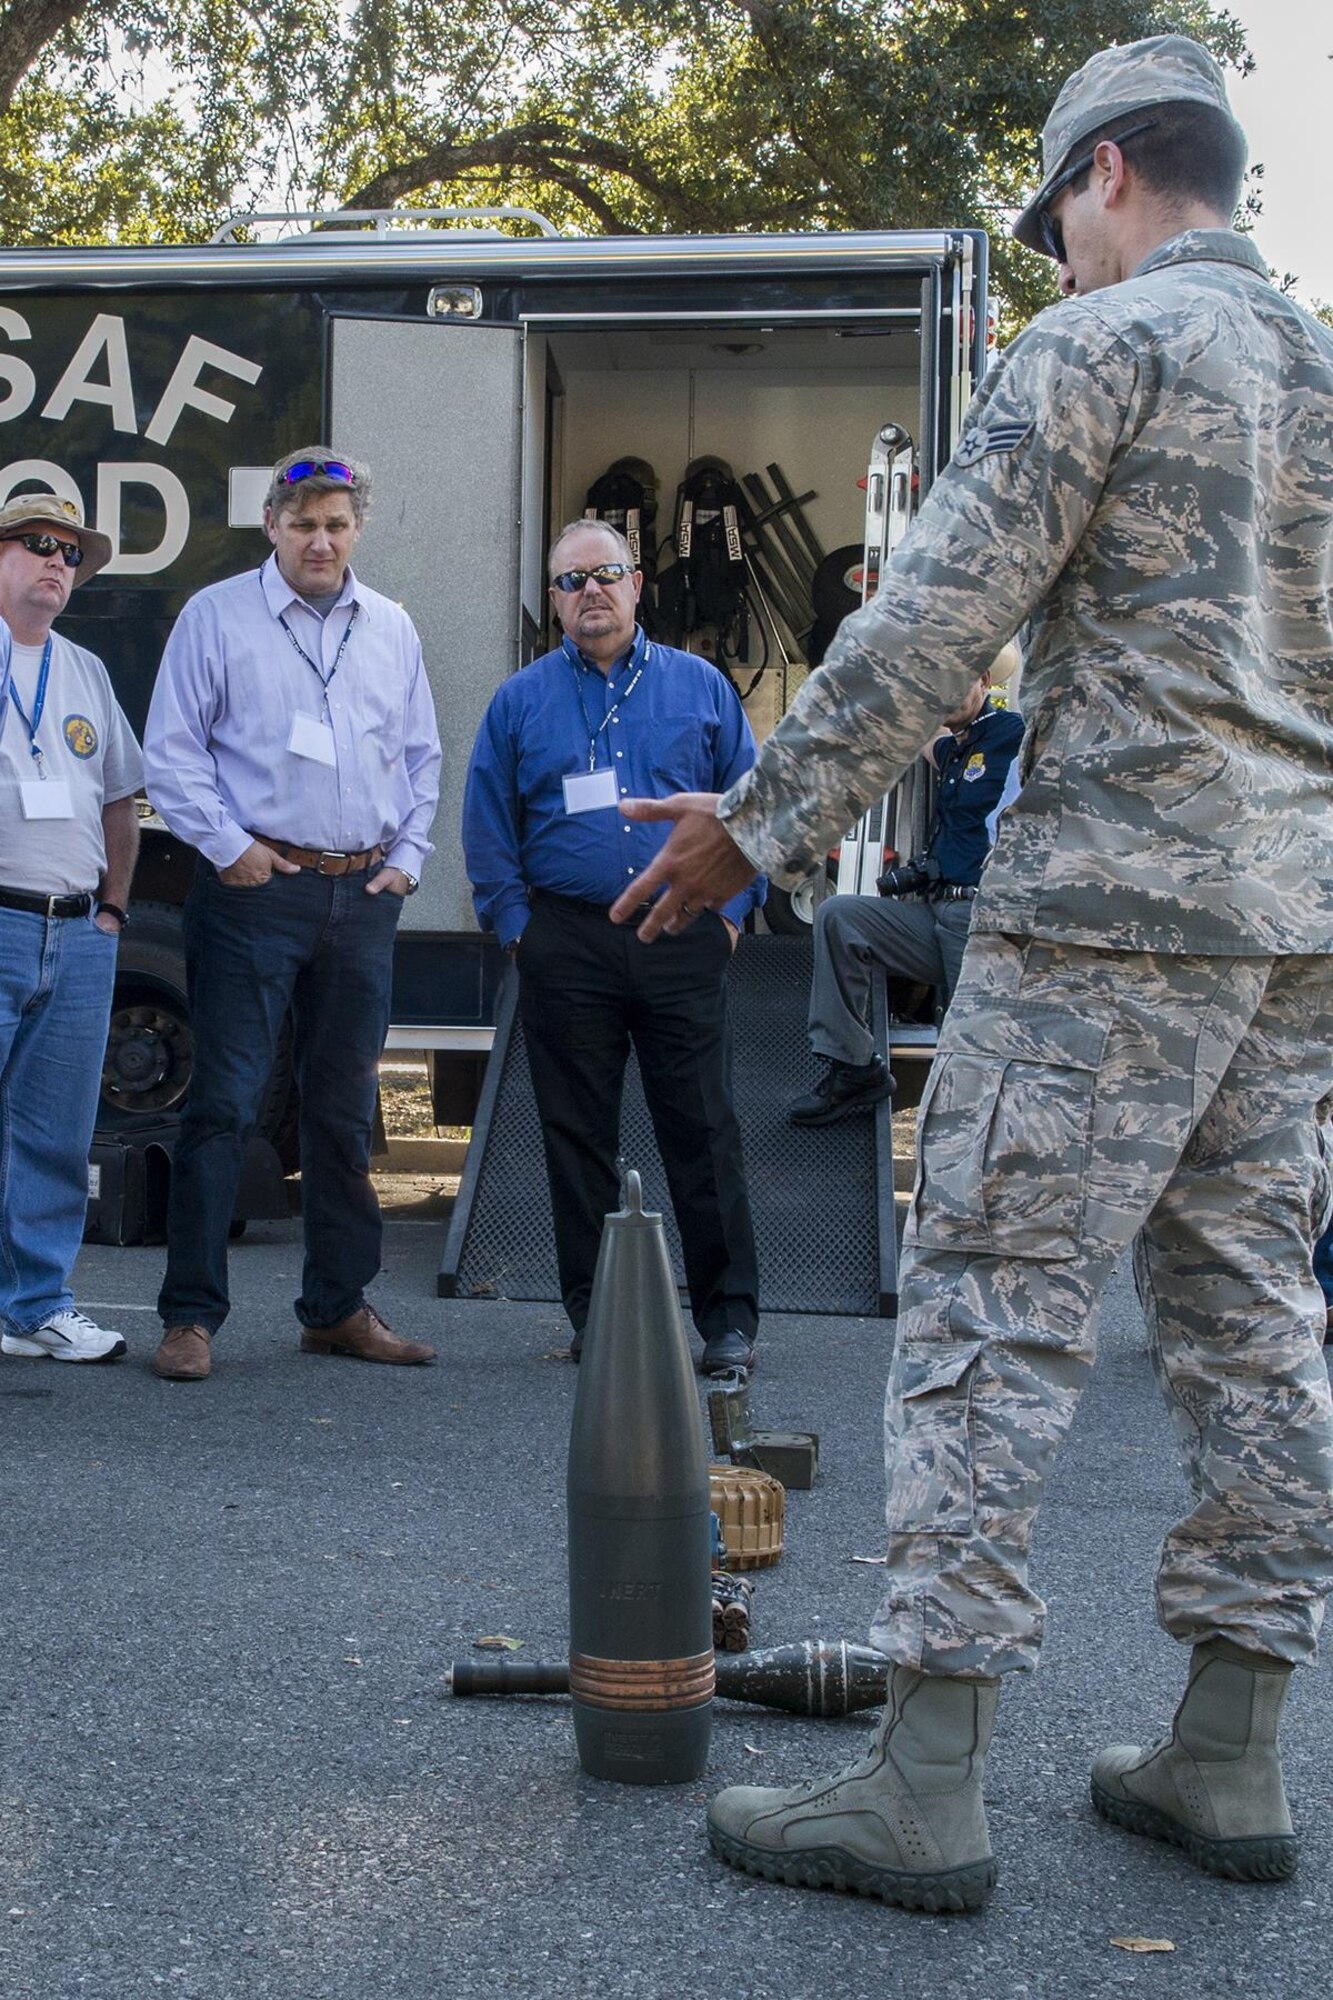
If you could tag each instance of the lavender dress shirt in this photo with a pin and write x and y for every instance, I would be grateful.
(216, 759)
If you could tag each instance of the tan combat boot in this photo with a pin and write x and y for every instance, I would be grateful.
(906, 1824)
(1214, 1785)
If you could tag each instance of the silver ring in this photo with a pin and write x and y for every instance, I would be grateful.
(686, 911)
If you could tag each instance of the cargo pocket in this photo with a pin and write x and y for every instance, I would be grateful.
(1006, 1129)
(930, 1400)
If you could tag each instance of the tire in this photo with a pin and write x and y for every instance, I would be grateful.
(835, 591)
(150, 1045)
(791, 912)
(149, 1056)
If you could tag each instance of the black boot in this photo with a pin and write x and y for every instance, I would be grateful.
(843, 1089)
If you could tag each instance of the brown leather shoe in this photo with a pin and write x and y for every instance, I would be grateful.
(185, 1354)
(368, 1337)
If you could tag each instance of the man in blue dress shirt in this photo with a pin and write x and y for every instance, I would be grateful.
(292, 740)
(608, 715)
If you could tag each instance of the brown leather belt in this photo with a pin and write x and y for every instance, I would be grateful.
(323, 861)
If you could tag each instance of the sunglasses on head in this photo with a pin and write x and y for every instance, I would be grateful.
(1049, 230)
(570, 580)
(317, 468)
(46, 545)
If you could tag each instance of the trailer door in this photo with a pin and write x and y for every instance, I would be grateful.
(436, 412)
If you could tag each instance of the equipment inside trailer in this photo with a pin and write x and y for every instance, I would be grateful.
(788, 411)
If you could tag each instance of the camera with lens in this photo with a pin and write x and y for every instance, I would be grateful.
(909, 878)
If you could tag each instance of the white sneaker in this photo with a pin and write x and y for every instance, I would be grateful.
(66, 1336)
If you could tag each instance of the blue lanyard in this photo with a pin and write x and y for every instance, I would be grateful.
(39, 703)
(325, 680)
(614, 709)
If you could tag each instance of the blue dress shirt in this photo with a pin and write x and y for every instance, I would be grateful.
(216, 758)
(680, 728)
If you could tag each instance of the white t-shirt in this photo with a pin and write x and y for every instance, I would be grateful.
(84, 739)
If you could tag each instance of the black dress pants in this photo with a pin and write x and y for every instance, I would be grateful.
(587, 988)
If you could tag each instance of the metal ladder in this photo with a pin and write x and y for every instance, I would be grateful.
(900, 818)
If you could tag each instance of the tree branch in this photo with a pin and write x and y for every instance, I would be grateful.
(542, 149)
(583, 190)
(26, 29)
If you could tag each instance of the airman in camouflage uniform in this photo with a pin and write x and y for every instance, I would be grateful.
(1144, 1021)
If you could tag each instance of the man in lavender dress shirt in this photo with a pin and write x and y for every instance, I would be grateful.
(292, 740)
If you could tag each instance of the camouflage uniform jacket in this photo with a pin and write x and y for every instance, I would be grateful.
(1146, 480)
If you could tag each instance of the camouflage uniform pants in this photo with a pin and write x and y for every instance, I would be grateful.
(1082, 1100)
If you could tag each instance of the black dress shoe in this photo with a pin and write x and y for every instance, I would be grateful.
(728, 1353)
(843, 1089)
(576, 1345)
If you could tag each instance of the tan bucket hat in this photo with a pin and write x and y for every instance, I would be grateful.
(53, 510)
(1164, 69)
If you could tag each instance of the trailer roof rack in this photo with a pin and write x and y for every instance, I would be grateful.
(378, 222)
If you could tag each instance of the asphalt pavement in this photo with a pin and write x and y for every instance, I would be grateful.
(228, 1766)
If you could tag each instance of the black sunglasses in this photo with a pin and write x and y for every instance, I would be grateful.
(317, 468)
(570, 580)
(46, 545)
(1049, 230)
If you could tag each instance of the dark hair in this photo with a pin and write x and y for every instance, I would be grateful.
(281, 497)
(1194, 152)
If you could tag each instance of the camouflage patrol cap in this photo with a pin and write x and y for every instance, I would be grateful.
(1164, 69)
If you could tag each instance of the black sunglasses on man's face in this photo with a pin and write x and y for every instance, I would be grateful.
(46, 545)
(571, 580)
(1049, 230)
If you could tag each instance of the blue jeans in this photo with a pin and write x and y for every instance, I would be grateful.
(55, 1000)
(324, 949)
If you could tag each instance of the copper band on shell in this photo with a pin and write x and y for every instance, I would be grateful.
(642, 1684)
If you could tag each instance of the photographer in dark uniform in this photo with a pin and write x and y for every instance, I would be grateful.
(917, 928)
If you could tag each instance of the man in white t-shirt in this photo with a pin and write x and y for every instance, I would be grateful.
(69, 835)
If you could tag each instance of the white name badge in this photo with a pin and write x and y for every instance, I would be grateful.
(589, 791)
(312, 739)
(46, 798)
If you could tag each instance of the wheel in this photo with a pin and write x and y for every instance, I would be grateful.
(836, 591)
(150, 1044)
(791, 912)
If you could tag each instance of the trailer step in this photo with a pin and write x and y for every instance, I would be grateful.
(822, 1198)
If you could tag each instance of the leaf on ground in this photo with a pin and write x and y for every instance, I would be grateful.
(1143, 1944)
(497, 1642)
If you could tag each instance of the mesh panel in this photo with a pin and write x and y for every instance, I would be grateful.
(813, 1191)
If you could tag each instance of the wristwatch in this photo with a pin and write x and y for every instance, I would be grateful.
(114, 910)
(413, 883)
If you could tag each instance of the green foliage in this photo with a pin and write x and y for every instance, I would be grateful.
(138, 120)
